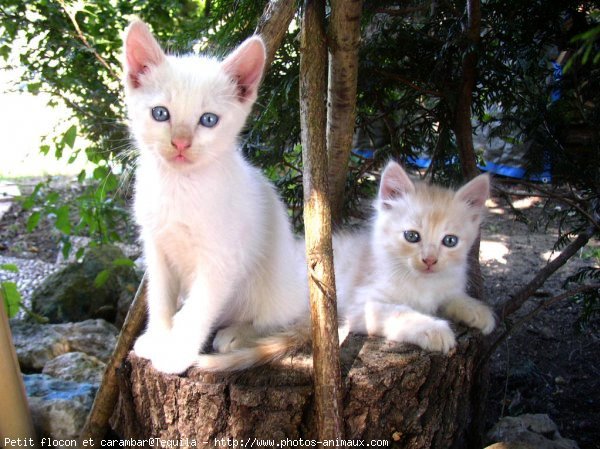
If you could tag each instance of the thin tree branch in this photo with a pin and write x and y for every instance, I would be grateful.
(85, 42)
(534, 312)
(96, 425)
(516, 301)
(545, 193)
(433, 93)
(402, 11)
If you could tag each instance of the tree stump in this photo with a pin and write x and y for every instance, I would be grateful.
(393, 392)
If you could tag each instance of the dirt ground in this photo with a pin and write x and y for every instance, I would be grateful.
(547, 366)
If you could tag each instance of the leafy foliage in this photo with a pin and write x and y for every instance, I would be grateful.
(9, 292)
(409, 81)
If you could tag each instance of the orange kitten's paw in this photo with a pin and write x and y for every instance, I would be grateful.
(425, 331)
(480, 317)
(438, 337)
(471, 312)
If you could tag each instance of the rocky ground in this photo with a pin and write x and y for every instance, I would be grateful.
(548, 366)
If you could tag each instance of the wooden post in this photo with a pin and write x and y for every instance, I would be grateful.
(344, 38)
(16, 427)
(96, 425)
(317, 222)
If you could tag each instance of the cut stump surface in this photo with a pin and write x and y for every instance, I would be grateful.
(393, 392)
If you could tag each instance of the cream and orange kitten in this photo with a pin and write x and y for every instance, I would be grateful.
(217, 242)
(399, 274)
(395, 277)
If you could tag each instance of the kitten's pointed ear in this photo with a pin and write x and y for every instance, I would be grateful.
(245, 65)
(475, 192)
(141, 52)
(395, 183)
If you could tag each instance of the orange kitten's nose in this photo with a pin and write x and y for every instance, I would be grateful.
(429, 261)
(181, 143)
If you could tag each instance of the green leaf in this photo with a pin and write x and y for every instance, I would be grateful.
(9, 267)
(33, 220)
(12, 298)
(123, 262)
(34, 88)
(31, 199)
(101, 278)
(81, 176)
(101, 172)
(70, 135)
(79, 253)
(63, 223)
(45, 149)
(66, 247)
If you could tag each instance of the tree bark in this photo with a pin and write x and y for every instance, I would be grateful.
(392, 392)
(273, 25)
(344, 38)
(463, 129)
(317, 222)
(462, 115)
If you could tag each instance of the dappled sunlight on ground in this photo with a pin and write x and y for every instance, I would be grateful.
(493, 252)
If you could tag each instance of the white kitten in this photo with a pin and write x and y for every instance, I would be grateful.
(412, 263)
(217, 242)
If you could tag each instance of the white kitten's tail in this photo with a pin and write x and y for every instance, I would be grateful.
(266, 349)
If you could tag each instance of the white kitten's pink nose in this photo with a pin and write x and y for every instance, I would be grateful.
(429, 261)
(181, 143)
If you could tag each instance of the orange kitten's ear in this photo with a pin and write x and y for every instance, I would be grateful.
(141, 52)
(246, 65)
(475, 192)
(395, 183)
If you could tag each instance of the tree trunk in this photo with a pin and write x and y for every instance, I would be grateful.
(462, 115)
(273, 25)
(463, 131)
(392, 392)
(344, 37)
(317, 222)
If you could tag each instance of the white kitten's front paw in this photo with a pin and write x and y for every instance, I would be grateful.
(438, 337)
(146, 344)
(173, 360)
(166, 354)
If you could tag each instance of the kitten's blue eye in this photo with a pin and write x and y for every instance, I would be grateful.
(412, 236)
(160, 114)
(209, 119)
(450, 240)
